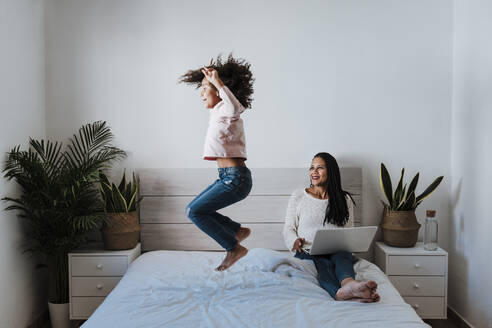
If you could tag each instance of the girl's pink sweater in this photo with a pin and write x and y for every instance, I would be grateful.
(225, 136)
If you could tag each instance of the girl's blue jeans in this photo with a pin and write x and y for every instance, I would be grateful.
(233, 185)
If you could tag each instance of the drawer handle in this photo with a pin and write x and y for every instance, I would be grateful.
(99, 266)
(99, 286)
(416, 286)
(416, 265)
(415, 306)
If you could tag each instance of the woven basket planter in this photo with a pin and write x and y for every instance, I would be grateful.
(122, 231)
(400, 228)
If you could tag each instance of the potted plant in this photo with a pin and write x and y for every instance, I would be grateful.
(121, 230)
(399, 223)
(60, 201)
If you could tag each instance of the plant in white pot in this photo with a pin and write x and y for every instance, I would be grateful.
(122, 229)
(59, 200)
(399, 223)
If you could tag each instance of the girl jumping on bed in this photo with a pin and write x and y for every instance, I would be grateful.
(226, 90)
(325, 205)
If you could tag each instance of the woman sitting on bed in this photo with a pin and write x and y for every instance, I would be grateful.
(325, 205)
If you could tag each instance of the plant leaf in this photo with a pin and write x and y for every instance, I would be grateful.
(409, 203)
(398, 191)
(403, 197)
(385, 183)
(122, 199)
(413, 184)
(430, 189)
(122, 185)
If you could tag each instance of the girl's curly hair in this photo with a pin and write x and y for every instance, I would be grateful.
(234, 73)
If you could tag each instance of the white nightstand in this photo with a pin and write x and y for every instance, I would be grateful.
(420, 276)
(93, 273)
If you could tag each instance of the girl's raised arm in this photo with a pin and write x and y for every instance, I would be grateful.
(232, 106)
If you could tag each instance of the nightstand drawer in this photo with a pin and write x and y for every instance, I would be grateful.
(99, 265)
(416, 265)
(93, 286)
(93, 272)
(83, 307)
(428, 307)
(419, 285)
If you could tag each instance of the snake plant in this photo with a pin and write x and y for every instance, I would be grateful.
(404, 199)
(121, 198)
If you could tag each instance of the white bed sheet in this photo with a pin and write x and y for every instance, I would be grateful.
(264, 289)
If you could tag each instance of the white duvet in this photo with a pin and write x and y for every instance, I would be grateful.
(264, 289)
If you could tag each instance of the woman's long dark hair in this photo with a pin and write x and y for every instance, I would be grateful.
(337, 210)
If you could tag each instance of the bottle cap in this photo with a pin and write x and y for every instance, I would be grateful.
(430, 213)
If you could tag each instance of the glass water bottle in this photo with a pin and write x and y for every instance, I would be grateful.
(430, 232)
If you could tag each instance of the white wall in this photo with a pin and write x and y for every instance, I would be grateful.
(470, 267)
(368, 81)
(22, 98)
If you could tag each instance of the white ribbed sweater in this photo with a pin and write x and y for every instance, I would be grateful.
(305, 215)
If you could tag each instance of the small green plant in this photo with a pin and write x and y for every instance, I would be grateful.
(404, 199)
(121, 198)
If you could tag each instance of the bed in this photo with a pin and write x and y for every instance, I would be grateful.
(173, 283)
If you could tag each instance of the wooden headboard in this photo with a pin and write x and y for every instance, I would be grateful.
(166, 193)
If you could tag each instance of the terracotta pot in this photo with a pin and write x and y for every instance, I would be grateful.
(122, 232)
(400, 228)
(59, 315)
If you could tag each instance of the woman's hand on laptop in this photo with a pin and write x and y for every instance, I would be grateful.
(298, 244)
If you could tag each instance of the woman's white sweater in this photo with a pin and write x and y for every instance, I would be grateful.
(305, 215)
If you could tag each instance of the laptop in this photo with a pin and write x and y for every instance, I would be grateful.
(353, 240)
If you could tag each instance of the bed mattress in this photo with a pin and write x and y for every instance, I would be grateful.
(266, 288)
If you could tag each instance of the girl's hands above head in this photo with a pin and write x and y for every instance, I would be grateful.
(213, 77)
(298, 244)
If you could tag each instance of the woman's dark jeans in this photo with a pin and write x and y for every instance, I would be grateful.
(233, 185)
(332, 269)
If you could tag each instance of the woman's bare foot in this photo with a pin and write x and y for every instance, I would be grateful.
(232, 256)
(374, 298)
(357, 289)
(242, 234)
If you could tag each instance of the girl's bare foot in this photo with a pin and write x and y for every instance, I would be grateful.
(242, 234)
(357, 289)
(232, 256)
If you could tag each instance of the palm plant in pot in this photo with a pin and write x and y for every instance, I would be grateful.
(122, 229)
(59, 200)
(399, 223)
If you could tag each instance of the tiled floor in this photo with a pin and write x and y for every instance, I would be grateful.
(448, 323)
(75, 324)
(441, 323)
